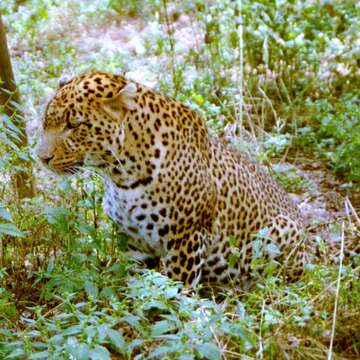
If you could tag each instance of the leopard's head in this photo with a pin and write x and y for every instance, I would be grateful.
(83, 121)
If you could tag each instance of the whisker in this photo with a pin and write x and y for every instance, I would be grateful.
(107, 162)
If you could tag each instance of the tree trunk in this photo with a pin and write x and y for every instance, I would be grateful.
(22, 180)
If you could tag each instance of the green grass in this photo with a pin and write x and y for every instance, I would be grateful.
(66, 288)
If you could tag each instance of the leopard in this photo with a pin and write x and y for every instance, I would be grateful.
(180, 194)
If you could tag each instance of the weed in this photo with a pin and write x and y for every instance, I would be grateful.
(66, 288)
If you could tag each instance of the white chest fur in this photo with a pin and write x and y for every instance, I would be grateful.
(134, 215)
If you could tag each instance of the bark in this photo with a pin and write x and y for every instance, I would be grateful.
(22, 180)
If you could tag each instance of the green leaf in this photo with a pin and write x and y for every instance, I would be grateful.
(56, 340)
(161, 351)
(155, 304)
(186, 357)
(88, 230)
(118, 270)
(272, 249)
(171, 292)
(136, 343)
(240, 311)
(82, 352)
(122, 241)
(6, 332)
(233, 258)
(102, 331)
(17, 353)
(132, 320)
(117, 340)
(72, 330)
(198, 99)
(11, 133)
(234, 39)
(232, 241)
(5, 214)
(91, 332)
(99, 353)
(257, 249)
(108, 293)
(162, 327)
(91, 290)
(34, 333)
(58, 216)
(208, 351)
(78, 351)
(12, 126)
(270, 268)
(39, 355)
(11, 229)
(263, 234)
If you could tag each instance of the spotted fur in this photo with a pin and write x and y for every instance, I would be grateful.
(178, 193)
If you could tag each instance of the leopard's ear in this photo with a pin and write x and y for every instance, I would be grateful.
(122, 100)
(63, 81)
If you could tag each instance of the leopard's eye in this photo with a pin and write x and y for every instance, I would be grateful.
(68, 123)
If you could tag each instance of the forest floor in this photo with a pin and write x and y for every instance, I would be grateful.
(54, 278)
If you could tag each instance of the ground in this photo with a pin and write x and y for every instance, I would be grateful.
(66, 280)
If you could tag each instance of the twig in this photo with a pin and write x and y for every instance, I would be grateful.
(1, 252)
(241, 67)
(291, 253)
(169, 31)
(349, 206)
(263, 93)
(341, 256)
(260, 352)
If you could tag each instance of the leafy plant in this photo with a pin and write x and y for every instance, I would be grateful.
(67, 289)
(336, 132)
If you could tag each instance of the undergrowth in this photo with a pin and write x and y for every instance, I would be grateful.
(66, 289)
